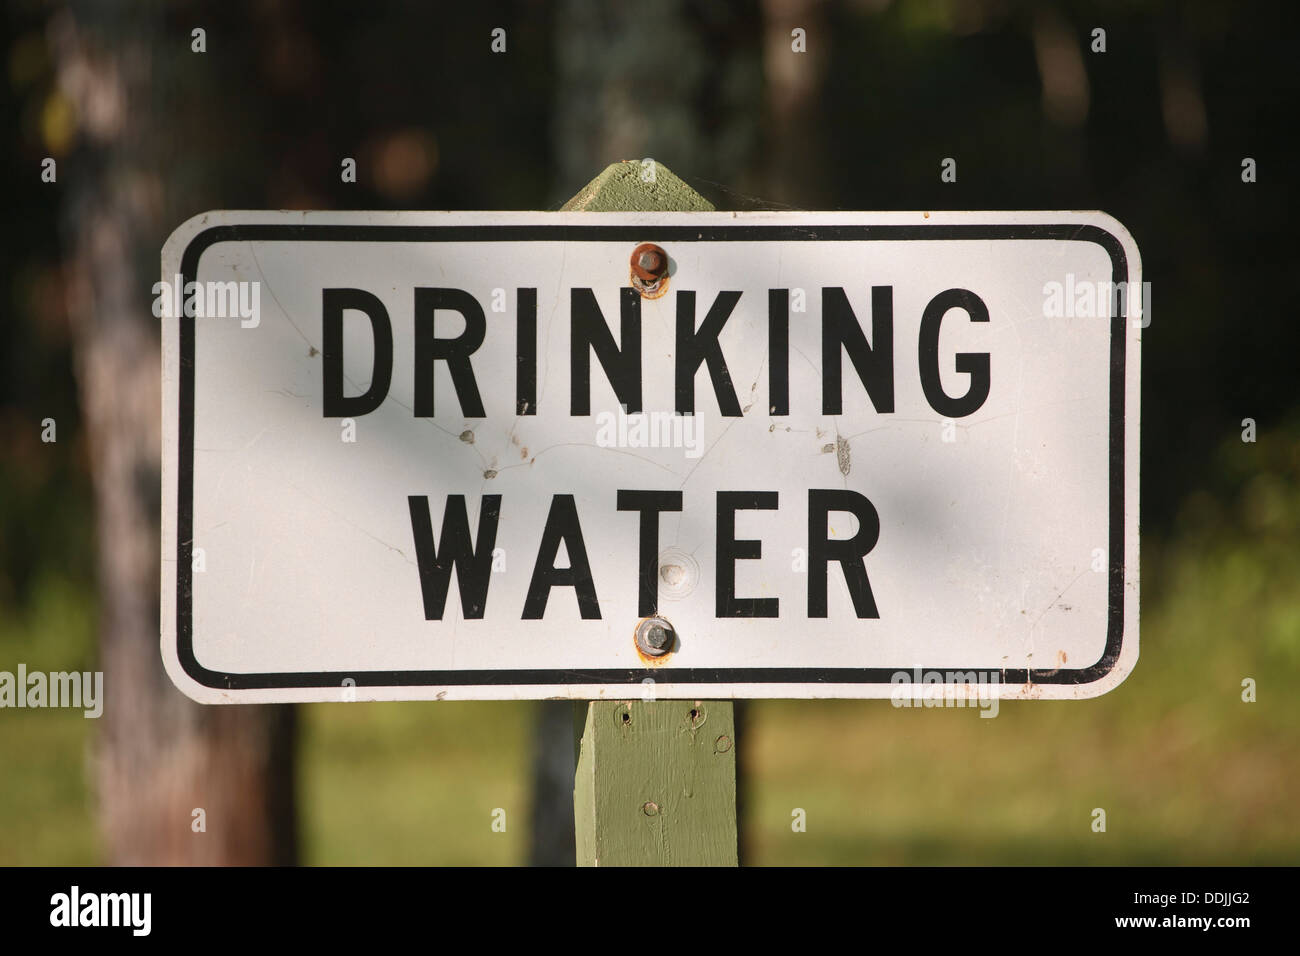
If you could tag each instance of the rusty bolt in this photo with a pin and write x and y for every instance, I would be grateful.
(649, 262)
(654, 637)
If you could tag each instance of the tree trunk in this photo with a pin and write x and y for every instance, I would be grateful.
(794, 171)
(160, 758)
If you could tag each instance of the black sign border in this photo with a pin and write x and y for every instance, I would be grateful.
(308, 232)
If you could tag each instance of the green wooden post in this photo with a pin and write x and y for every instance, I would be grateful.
(656, 780)
(656, 783)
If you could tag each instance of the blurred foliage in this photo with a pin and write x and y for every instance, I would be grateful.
(1152, 131)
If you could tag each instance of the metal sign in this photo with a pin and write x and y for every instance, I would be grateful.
(526, 455)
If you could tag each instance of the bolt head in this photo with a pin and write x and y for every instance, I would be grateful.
(649, 262)
(654, 637)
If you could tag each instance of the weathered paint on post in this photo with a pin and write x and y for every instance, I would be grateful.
(656, 780)
(637, 186)
(656, 784)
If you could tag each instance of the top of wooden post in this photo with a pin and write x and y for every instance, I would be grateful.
(637, 185)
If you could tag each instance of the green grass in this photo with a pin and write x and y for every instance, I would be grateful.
(45, 798)
(415, 783)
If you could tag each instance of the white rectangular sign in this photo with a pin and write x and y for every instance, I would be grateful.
(458, 455)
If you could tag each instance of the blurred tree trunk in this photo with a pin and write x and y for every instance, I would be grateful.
(673, 80)
(160, 757)
(554, 766)
(793, 164)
